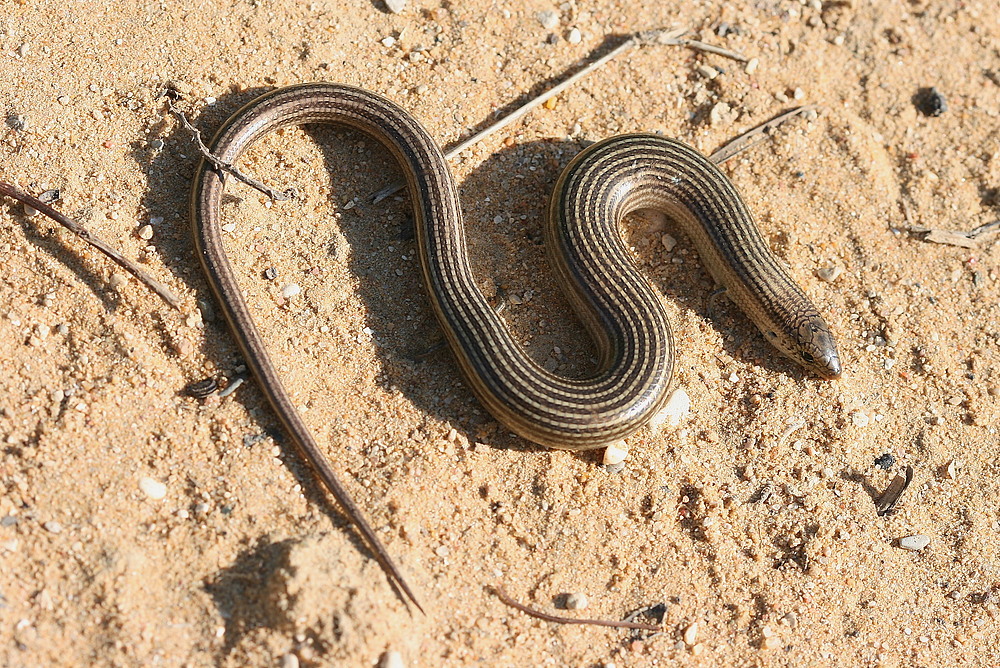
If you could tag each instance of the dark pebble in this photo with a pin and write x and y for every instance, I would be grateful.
(885, 462)
(930, 102)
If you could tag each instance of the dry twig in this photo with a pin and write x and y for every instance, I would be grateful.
(502, 595)
(225, 166)
(743, 142)
(92, 239)
(886, 503)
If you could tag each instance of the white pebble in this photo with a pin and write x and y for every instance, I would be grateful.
(829, 274)
(53, 527)
(548, 18)
(708, 72)
(289, 661)
(721, 114)
(145, 232)
(395, 6)
(916, 542)
(29, 211)
(752, 65)
(576, 601)
(388, 41)
(574, 36)
(616, 453)
(391, 659)
(668, 242)
(290, 290)
(674, 411)
(860, 419)
(152, 488)
(691, 634)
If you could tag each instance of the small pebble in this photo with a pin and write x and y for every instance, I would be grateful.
(270, 273)
(152, 488)
(576, 601)
(395, 6)
(63, 100)
(860, 419)
(616, 453)
(117, 280)
(145, 232)
(930, 102)
(885, 461)
(829, 274)
(722, 114)
(674, 411)
(668, 242)
(708, 72)
(29, 211)
(52, 527)
(388, 41)
(574, 36)
(290, 290)
(548, 18)
(289, 660)
(798, 94)
(17, 122)
(391, 659)
(156, 144)
(752, 65)
(23, 50)
(691, 634)
(915, 543)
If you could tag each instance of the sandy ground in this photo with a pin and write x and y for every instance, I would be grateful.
(752, 525)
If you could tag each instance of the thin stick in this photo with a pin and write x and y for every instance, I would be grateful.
(648, 37)
(983, 229)
(502, 595)
(225, 166)
(702, 46)
(92, 239)
(742, 142)
(886, 503)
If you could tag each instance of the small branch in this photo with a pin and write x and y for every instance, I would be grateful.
(225, 166)
(742, 142)
(984, 229)
(95, 241)
(886, 503)
(677, 40)
(502, 595)
(643, 38)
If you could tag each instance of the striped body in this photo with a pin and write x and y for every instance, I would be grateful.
(622, 312)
